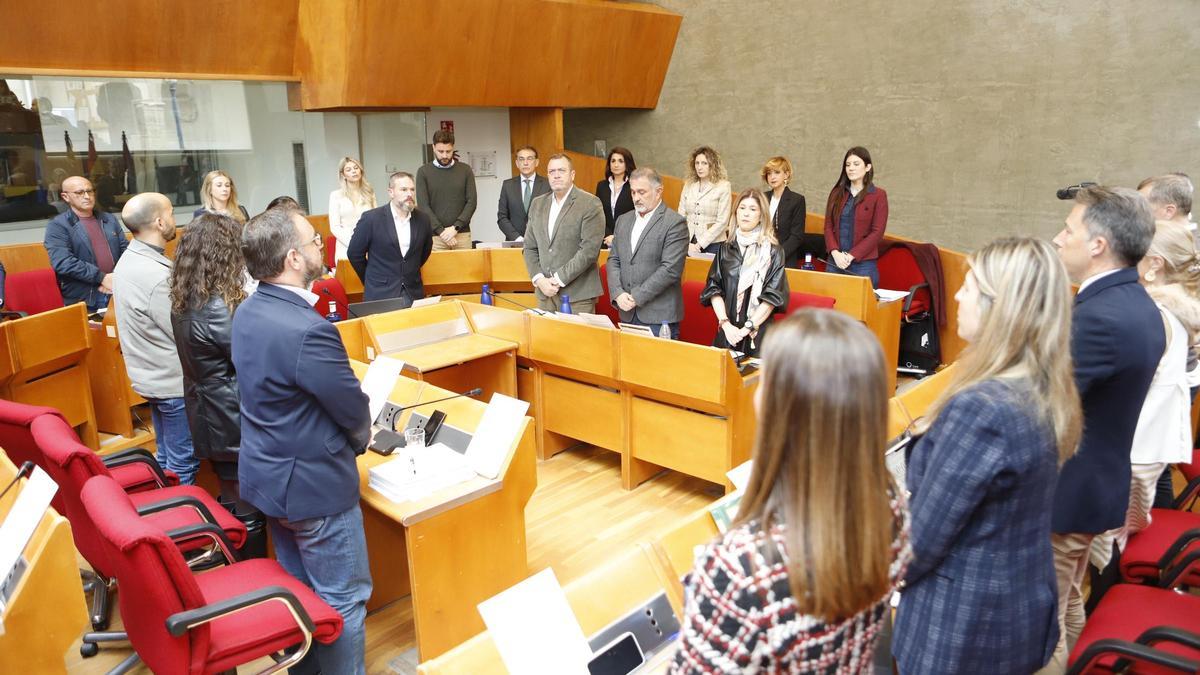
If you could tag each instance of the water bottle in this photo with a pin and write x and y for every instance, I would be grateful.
(333, 316)
(565, 307)
(808, 263)
(486, 297)
(665, 331)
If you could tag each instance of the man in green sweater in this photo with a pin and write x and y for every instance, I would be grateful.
(446, 191)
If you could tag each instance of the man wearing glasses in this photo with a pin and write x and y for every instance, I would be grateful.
(517, 192)
(84, 244)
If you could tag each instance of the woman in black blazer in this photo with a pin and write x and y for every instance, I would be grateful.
(787, 210)
(613, 191)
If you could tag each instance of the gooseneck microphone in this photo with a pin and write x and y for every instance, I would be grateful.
(535, 310)
(386, 438)
(25, 471)
(473, 392)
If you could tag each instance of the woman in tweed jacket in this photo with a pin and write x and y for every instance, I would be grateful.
(980, 595)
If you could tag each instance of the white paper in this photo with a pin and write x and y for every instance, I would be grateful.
(740, 474)
(495, 434)
(535, 630)
(411, 475)
(884, 295)
(21, 522)
(379, 382)
(427, 301)
(598, 320)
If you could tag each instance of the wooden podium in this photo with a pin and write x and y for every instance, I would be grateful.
(112, 393)
(47, 612)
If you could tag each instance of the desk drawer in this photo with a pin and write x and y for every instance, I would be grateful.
(582, 411)
(677, 438)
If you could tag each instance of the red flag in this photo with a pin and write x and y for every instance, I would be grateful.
(91, 156)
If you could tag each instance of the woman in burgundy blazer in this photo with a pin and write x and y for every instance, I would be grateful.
(855, 218)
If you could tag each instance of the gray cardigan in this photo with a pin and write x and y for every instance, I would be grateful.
(142, 292)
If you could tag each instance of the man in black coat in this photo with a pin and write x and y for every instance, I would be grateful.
(1117, 340)
(391, 243)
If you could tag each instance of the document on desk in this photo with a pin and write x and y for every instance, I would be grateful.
(535, 630)
(425, 302)
(884, 295)
(740, 474)
(379, 382)
(495, 434)
(410, 476)
(21, 522)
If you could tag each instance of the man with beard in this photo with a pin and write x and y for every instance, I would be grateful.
(142, 290)
(391, 243)
(304, 420)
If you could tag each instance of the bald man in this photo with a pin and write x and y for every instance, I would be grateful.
(84, 244)
(142, 290)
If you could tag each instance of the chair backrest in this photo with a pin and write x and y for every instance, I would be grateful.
(798, 301)
(898, 271)
(327, 289)
(155, 581)
(71, 464)
(32, 292)
(603, 304)
(330, 251)
(699, 325)
(16, 437)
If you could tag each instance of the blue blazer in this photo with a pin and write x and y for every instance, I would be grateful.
(74, 262)
(980, 594)
(304, 414)
(1117, 340)
(374, 253)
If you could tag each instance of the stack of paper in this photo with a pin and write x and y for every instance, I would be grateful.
(411, 475)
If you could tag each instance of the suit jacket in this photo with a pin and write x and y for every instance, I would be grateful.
(789, 225)
(74, 262)
(624, 204)
(572, 252)
(304, 414)
(982, 484)
(374, 253)
(511, 215)
(1117, 339)
(870, 222)
(651, 272)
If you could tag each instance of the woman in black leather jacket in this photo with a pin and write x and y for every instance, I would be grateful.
(206, 288)
(747, 282)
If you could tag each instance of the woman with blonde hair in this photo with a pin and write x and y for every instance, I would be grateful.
(704, 201)
(218, 195)
(801, 581)
(353, 197)
(747, 281)
(981, 594)
(1170, 271)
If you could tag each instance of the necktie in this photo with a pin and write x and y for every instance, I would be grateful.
(526, 194)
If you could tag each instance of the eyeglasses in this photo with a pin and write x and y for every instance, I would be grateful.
(526, 159)
(81, 193)
(317, 241)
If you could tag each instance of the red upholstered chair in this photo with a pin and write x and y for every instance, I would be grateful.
(898, 270)
(1153, 630)
(798, 301)
(71, 464)
(699, 325)
(330, 252)
(603, 303)
(331, 290)
(1171, 538)
(179, 622)
(32, 292)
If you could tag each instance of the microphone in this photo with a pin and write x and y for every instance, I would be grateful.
(23, 472)
(386, 438)
(535, 310)
(1068, 193)
(473, 392)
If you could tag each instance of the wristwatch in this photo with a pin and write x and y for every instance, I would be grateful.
(749, 325)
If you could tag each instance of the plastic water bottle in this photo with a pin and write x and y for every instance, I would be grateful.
(808, 263)
(565, 307)
(333, 316)
(486, 297)
(665, 331)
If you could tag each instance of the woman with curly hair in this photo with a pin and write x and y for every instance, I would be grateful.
(705, 201)
(206, 288)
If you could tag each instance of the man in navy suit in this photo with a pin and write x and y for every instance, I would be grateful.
(391, 243)
(1117, 340)
(304, 420)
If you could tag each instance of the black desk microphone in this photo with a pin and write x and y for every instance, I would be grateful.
(23, 472)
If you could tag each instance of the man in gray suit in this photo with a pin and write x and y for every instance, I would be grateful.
(562, 241)
(645, 263)
(517, 193)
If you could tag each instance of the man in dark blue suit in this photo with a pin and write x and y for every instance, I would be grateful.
(304, 420)
(1117, 340)
(391, 243)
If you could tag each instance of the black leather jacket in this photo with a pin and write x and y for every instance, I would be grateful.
(723, 280)
(210, 390)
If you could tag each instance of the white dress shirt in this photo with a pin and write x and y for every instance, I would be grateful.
(403, 229)
(774, 204)
(307, 295)
(639, 225)
(556, 206)
(1094, 278)
(614, 192)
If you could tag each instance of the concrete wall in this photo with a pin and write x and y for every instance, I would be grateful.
(975, 111)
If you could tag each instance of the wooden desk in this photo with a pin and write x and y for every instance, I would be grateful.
(920, 396)
(112, 393)
(43, 362)
(456, 547)
(47, 611)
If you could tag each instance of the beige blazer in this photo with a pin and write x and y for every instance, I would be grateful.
(707, 211)
(572, 251)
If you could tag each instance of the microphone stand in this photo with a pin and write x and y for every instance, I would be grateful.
(535, 310)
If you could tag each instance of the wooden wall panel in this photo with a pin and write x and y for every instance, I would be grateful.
(540, 127)
(512, 53)
(217, 38)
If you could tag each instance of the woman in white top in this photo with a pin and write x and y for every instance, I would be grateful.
(706, 201)
(1170, 272)
(347, 203)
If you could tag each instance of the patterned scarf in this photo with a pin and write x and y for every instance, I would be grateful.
(756, 258)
